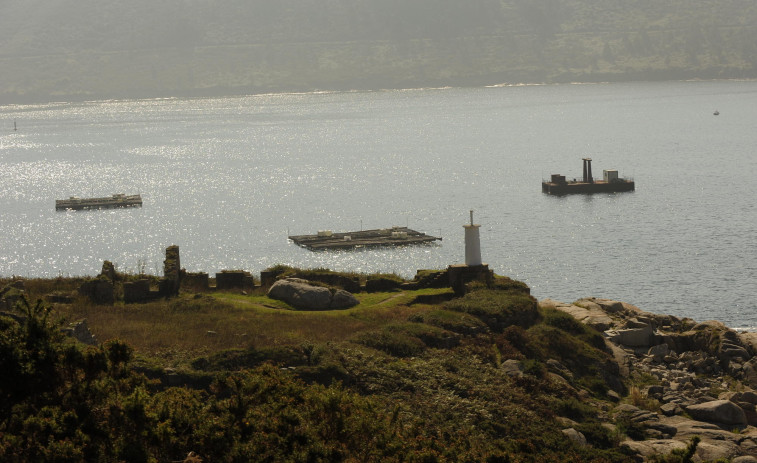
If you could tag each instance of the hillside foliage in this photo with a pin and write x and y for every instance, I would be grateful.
(88, 49)
(412, 383)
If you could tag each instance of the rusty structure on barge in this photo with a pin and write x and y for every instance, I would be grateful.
(611, 183)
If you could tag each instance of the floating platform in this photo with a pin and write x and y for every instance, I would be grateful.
(611, 183)
(116, 200)
(395, 236)
(577, 187)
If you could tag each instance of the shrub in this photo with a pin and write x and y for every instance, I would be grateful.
(638, 399)
(562, 320)
(566, 322)
(237, 359)
(502, 283)
(497, 309)
(597, 435)
(574, 409)
(456, 322)
(408, 339)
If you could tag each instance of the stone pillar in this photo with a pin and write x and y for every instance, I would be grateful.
(169, 285)
(109, 270)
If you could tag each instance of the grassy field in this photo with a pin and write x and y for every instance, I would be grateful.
(200, 324)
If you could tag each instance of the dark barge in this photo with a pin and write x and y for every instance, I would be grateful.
(610, 183)
(108, 202)
(395, 236)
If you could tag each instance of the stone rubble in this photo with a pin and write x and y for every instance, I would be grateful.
(702, 380)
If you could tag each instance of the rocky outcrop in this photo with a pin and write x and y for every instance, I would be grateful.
(302, 295)
(723, 412)
(80, 331)
(702, 379)
(589, 314)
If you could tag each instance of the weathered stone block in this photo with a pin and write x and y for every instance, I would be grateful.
(233, 279)
(381, 284)
(718, 411)
(197, 281)
(98, 290)
(137, 291)
(169, 285)
(302, 295)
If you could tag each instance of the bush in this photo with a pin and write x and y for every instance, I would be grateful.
(452, 321)
(562, 320)
(396, 344)
(498, 309)
(574, 409)
(502, 283)
(237, 359)
(405, 340)
(597, 435)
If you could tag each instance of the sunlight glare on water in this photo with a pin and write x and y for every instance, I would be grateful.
(227, 179)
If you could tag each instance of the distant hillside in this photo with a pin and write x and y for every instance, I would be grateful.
(87, 49)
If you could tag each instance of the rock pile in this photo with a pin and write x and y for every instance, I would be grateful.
(700, 379)
(301, 294)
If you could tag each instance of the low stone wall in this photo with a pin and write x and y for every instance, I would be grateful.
(197, 281)
(381, 284)
(234, 279)
(137, 291)
(99, 290)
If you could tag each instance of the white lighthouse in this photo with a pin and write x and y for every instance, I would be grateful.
(472, 243)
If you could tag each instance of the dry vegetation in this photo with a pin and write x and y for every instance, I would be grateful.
(199, 324)
(240, 377)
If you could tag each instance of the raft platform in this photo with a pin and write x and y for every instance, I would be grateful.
(116, 200)
(395, 236)
(577, 187)
(611, 183)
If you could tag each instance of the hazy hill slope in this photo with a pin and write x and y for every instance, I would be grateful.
(65, 49)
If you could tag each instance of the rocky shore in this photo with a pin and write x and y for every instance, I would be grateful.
(696, 380)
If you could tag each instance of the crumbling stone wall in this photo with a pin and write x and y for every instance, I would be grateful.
(459, 275)
(171, 281)
(99, 290)
(80, 331)
(197, 281)
(268, 278)
(380, 284)
(137, 291)
(232, 279)
(109, 270)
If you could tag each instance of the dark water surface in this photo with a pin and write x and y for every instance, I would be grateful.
(227, 179)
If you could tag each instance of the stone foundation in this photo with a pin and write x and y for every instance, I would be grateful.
(234, 279)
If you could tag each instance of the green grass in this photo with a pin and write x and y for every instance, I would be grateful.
(192, 325)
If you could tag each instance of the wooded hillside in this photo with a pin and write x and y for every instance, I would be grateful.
(85, 49)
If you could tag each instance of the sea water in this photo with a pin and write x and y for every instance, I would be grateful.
(228, 179)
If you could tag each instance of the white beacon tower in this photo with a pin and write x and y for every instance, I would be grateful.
(472, 243)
